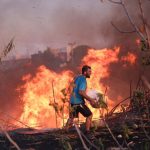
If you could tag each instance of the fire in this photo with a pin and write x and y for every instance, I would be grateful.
(130, 58)
(45, 87)
(100, 60)
(138, 41)
(40, 91)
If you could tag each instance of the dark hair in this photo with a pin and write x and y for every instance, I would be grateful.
(85, 68)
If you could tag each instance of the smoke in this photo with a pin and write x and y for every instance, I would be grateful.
(122, 77)
(37, 24)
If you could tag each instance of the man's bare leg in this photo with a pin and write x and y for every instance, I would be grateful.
(88, 123)
(69, 123)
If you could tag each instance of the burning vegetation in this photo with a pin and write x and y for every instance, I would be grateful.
(39, 88)
(46, 86)
(44, 99)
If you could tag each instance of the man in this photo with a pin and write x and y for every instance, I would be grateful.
(77, 99)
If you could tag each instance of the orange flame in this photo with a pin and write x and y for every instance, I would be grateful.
(39, 92)
(130, 58)
(138, 41)
(99, 60)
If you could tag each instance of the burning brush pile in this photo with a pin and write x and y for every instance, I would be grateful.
(45, 107)
(45, 95)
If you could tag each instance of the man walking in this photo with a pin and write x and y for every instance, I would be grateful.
(77, 99)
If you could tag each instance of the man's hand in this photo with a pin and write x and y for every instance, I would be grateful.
(92, 102)
(84, 95)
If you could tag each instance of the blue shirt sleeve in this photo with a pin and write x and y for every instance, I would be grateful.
(82, 84)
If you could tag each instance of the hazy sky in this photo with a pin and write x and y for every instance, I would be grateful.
(36, 24)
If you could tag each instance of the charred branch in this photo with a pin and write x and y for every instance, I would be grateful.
(135, 28)
(115, 2)
(143, 20)
(121, 31)
(7, 49)
(9, 138)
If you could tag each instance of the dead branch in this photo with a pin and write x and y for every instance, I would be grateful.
(112, 134)
(83, 143)
(9, 138)
(15, 119)
(146, 82)
(121, 31)
(9, 124)
(89, 141)
(135, 28)
(143, 128)
(81, 133)
(7, 49)
(54, 102)
(114, 108)
(131, 21)
(143, 19)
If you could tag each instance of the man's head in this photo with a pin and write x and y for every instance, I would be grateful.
(86, 71)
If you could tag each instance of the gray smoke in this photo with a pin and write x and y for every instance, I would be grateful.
(37, 24)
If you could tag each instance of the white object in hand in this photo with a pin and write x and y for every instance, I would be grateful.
(98, 97)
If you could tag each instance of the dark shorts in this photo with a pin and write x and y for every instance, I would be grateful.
(82, 108)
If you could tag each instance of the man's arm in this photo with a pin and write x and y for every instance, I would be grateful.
(82, 91)
(84, 95)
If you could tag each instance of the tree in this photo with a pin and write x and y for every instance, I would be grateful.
(143, 34)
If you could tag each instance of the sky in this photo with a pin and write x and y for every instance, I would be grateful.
(36, 24)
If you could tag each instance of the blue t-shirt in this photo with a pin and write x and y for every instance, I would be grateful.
(79, 84)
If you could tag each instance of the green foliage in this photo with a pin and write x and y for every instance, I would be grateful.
(138, 97)
(146, 60)
(71, 109)
(126, 131)
(101, 103)
(144, 45)
(64, 99)
(139, 94)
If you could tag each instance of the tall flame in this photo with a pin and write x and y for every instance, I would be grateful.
(39, 92)
(131, 58)
(45, 87)
(100, 60)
